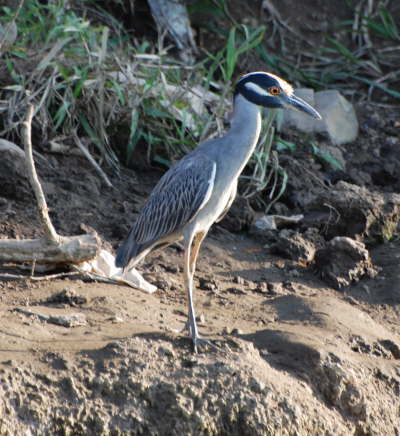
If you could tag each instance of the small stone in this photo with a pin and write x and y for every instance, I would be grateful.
(344, 261)
(236, 291)
(162, 285)
(236, 331)
(392, 347)
(66, 296)
(70, 320)
(116, 319)
(289, 286)
(274, 288)
(227, 331)
(262, 287)
(207, 284)
(201, 318)
(239, 280)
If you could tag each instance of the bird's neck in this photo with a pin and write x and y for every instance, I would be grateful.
(245, 124)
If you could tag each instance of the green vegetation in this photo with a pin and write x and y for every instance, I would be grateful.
(86, 74)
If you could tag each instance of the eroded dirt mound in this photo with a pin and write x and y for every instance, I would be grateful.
(152, 385)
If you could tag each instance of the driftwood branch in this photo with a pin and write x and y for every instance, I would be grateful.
(68, 249)
(52, 248)
(50, 231)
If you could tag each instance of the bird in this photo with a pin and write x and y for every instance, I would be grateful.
(198, 190)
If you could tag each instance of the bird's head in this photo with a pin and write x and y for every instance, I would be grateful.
(270, 91)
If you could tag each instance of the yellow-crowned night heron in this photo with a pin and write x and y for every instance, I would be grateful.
(199, 189)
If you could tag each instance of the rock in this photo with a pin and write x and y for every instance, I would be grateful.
(275, 288)
(392, 346)
(70, 320)
(66, 296)
(339, 118)
(262, 288)
(201, 319)
(344, 261)
(236, 332)
(293, 245)
(272, 222)
(207, 284)
(239, 280)
(340, 390)
(354, 211)
(235, 291)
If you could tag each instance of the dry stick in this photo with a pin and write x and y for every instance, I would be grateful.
(50, 231)
(52, 248)
(8, 276)
(89, 157)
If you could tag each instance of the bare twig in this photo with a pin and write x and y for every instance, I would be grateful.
(89, 157)
(37, 278)
(77, 272)
(50, 232)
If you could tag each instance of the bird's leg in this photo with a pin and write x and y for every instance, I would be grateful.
(192, 250)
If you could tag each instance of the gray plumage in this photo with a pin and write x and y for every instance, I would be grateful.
(199, 189)
(172, 204)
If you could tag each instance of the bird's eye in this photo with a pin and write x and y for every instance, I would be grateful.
(274, 90)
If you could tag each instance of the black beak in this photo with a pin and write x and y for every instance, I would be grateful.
(293, 102)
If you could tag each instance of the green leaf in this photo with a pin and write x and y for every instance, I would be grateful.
(156, 112)
(389, 91)
(282, 144)
(231, 55)
(162, 161)
(61, 113)
(83, 76)
(119, 91)
(88, 129)
(343, 50)
(134, 135)
(16, 88)
(334, 163)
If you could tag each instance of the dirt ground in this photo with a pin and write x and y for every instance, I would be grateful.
(295, 355)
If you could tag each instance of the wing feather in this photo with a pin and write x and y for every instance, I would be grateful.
(176, 199)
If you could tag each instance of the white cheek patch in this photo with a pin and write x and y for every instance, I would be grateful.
(257, 89)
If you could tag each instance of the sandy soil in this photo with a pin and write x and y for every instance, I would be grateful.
(295, 356)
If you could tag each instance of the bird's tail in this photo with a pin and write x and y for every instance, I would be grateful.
(127, 251)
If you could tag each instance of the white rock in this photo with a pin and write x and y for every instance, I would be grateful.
(339, 118)
(272, 222)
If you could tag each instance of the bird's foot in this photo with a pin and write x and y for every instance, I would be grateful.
(198, 341)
